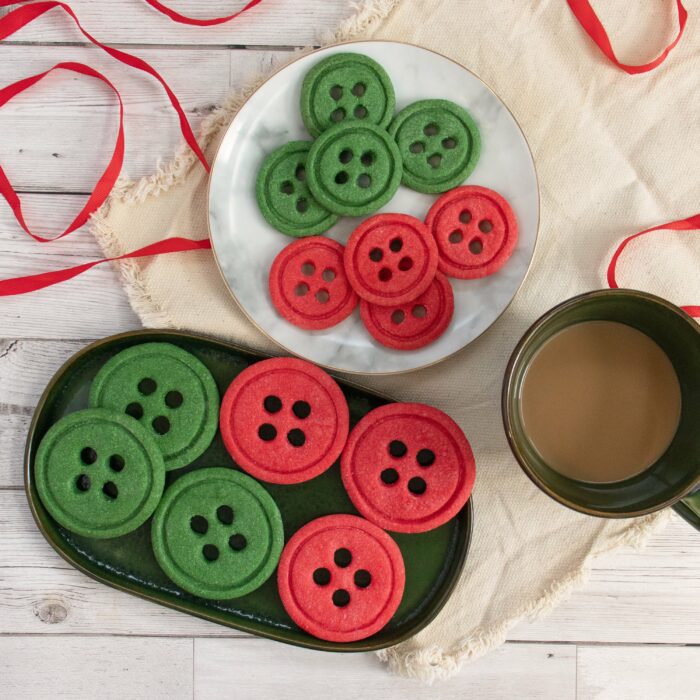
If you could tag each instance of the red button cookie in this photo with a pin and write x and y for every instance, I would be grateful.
(284, 420)
(341, 578)
(391, 259)
(475, 230)
(308, 284)
(414, 324)
(408, 467)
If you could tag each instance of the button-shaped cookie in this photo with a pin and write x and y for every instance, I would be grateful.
(475, 230)
(408, 467)
(413, 324)
(341, 578)
(439, 143)
(98, 473)
(308, 284)
(284, 420)
(217, 533)
(343, 88)
(169, 391)
(283, 194)
(354, 169)
(391, 259)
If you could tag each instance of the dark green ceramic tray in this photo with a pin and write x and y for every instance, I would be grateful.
(433, 559)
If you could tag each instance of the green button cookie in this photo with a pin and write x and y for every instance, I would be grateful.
(354, 169)
(346, 87)
(284, 197)
(98, 473)
(169, 391)
(217, 533)
(439, 143)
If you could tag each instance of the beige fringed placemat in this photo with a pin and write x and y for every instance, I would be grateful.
(612, 156)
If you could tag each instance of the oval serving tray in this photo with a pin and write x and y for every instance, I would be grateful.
(433, 559)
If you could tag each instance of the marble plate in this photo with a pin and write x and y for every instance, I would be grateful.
(245, 245)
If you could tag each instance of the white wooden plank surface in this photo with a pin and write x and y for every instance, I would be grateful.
(83, 668)
(639, 672)
(534, 672)
(272, 23)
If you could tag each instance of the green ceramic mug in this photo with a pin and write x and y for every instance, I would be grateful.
(674, 479)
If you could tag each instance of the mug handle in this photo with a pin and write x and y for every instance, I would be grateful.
(689, 509)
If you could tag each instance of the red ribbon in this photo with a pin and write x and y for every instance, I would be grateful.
(31, 283)
(183, 19)
(108, 177)
(588, 19)
(692, 223)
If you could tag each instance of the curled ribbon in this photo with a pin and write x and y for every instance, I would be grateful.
(183, 19)
(588, 19)
(692, 223)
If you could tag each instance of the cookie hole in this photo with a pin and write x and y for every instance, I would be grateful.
(116, 463)
(337, 115)
(364, 181)
(385, 274)
(485, 226)
(395, 245)
(237, 542)
(397, 316)
(210, 552)
(199, 524)
(419, 311)
(296, 437)
(161, 425)
(340, 598)
(389, 476)
(425, 457)
(342, 557)
(465, 216)
(360, 112)
(173, 399)
(110, 490)
(302, 205)
(272, 403)
(300, 173)
(417, 147)
(431, 130)
(302, 289)
(449, 143)
(367, 158)
(455, 237)
(88, 455)
(362, 578)
(345, 156)
(147, 386)
(321, 576)
(225, 514)
(397, 448)
(341, 178)
(322, 296)
(135, 410)
(434, 161)
(328, 274)
(336, 92)
(308, 268)
(375, 255)
(416, 486)
(358, 89)
(267, 432)
(301, 409)
(82, 483)
(287, 187)
(405, 264)
(475, 246)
